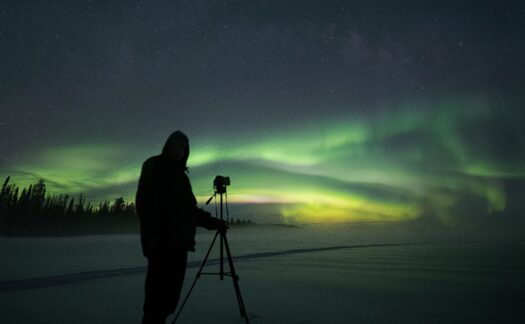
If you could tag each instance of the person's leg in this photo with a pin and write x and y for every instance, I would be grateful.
(153, 289)
(177, 273)
(163, 286)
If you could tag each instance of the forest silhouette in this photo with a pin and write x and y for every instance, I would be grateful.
(32, 211)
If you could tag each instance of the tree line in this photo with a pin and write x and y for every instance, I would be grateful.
(32, 211)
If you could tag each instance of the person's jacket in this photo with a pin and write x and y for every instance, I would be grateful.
(166, 206)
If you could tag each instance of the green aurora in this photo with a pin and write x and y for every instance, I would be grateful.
(414, 160)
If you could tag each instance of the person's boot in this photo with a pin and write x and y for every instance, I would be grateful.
(153, 319)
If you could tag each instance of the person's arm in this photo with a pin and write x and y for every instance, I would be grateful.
(204, 219)
(146, 201)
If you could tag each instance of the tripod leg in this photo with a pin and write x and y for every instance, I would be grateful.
(221, 264)
(235, 279)
(208, 253)
(196, 277)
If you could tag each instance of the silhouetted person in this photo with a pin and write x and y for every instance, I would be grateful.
(168, 215)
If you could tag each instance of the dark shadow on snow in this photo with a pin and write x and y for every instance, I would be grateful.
(72, 278)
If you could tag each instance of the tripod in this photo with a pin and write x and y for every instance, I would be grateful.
(221, 232)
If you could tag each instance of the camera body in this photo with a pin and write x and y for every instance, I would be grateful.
(220, 183)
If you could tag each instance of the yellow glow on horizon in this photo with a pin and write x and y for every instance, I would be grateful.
(310, 206)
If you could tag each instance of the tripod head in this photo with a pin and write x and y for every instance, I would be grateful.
(219, 185)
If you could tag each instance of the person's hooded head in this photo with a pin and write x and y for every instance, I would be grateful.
(177, 148)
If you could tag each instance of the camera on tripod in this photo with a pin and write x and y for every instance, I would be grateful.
(220, 183)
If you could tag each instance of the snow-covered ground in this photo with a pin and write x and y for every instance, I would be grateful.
(340, 273)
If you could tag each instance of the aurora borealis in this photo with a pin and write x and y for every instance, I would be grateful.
(328, 111)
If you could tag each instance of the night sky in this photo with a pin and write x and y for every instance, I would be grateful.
(322, 110)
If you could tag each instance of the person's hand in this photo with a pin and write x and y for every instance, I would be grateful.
(222, 226)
